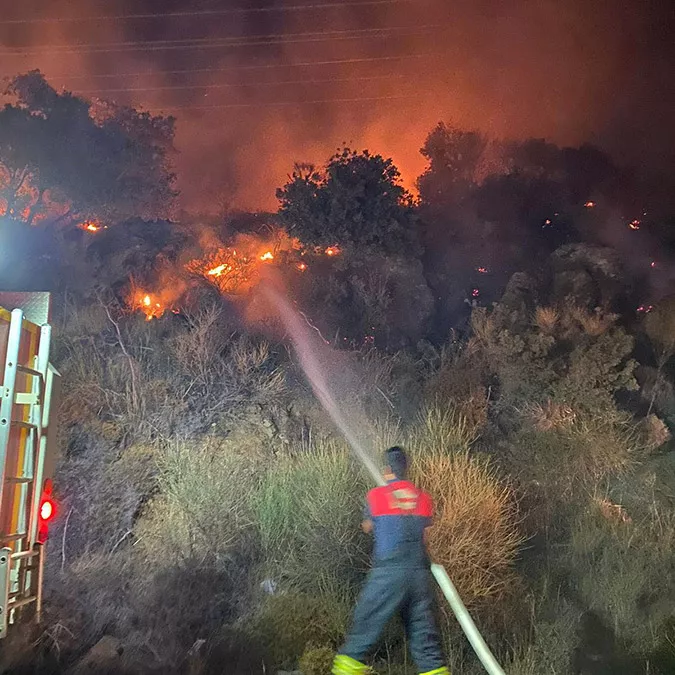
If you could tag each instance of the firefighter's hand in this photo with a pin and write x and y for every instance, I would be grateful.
(367, 526)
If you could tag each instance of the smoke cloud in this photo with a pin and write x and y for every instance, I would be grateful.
(576, 71)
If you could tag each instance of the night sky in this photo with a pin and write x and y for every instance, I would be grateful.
(571, 71)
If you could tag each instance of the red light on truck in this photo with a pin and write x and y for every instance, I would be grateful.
(46, 510)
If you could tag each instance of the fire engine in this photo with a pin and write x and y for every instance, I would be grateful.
(27, 453)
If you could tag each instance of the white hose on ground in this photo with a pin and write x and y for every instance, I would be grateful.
(312, 366)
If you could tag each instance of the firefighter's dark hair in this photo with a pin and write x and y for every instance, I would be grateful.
(397, 461)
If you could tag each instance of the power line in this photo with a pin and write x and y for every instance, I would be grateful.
(217, 43)
(292, 103)
(206, 12)
(243, 66)
(226, 85)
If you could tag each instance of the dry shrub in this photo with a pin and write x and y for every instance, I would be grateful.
(316, 660)
(198, 350)
(546, 319)
(593, 324)
(551, 643)
(483, 329)
(655, 432)
(551, 415)
(442, 428)
(203, 505)
(475, 533)
(613, 513)
(308, 512)
(287, 624)
(578, 453)
(458, 383)
(624, 570)
(251, 365)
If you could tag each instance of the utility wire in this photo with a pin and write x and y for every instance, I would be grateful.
(210, 43)
(227, 85)
(238, 67)
(275, 104)
(224, 38)
(206, 12)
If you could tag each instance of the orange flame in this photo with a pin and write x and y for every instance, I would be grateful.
(90, 226)
(268, 255)
(147, 303)
(333, 250)
(302, 266)
(634, 224)
(217, 271)
(590, 205)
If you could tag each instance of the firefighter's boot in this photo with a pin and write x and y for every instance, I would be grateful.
(346, 665)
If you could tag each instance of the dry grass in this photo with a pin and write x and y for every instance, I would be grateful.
(475, 533)
(622, 566)
(442, 428)
(308, 512)
(198, 350)
(655, 432)
(593, 324)
(546, 319)
(203, 506)
(573, 453)
(549, 416)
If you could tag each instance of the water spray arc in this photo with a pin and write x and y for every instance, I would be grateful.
(315, 374)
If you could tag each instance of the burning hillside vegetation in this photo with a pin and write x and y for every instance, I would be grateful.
(233, 268)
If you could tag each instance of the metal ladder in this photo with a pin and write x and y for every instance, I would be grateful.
(21, 555)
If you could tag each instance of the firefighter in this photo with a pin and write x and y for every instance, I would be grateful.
(398, 515)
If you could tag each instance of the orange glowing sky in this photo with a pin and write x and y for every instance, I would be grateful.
(570, 71)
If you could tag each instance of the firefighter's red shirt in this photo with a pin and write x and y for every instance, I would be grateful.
(400, 512)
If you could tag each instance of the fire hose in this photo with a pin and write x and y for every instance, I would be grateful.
(315, 374)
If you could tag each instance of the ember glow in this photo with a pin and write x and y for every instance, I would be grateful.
(634, 224)
(302, 266)
(235, 269)
(147, 303)
(475, 292)
(221, 269)
(590, 205)
(482, 270)
(645, 309)
(333, 251)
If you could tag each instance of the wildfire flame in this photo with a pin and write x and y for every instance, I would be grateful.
(590, 205)
(232, 269)
(332, 251)
(475, 292)
(634, 224)
(645, 309)
(147, 303)
(217, 271)
(90, 226)
(482, 270)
